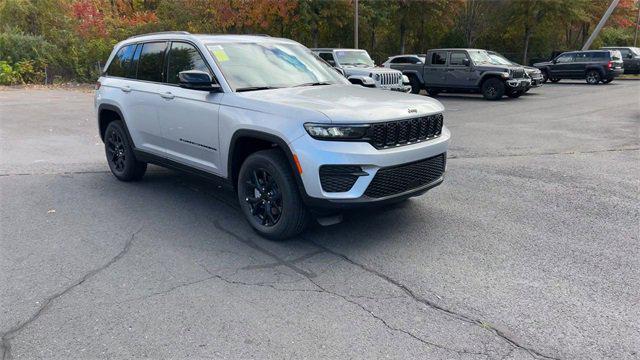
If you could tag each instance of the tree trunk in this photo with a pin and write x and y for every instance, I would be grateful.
(403, 35)
(314, 33)
(525, 51)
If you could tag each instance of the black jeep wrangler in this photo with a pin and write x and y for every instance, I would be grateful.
(465, 70)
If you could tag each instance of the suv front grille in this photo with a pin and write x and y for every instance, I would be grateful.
(339, 178)
(390, 78)
(517, 73)
(398, 179)
(404, 132)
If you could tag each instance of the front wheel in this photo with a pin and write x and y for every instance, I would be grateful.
(120, 157)
(515, 94)
(269, 196)
(593, 77)
(493, 89)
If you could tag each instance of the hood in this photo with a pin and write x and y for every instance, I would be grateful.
(346, 103)
(500, 68)
(542, 64)
(354, 70)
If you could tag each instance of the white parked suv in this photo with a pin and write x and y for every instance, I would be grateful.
(292, 136)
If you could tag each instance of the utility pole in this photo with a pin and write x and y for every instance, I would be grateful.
(600, 25)
(635, 37)
(355, 24)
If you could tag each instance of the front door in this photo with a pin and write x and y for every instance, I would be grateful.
(459, 70)
(189, 118)
(562, 66)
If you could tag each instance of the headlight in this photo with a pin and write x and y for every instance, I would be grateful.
(336, 132)
(405, 79)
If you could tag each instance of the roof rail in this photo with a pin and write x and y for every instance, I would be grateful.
(162, 33)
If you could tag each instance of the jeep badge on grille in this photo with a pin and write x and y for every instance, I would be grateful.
(412, 111)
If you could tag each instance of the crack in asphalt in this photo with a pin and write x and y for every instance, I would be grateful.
(433, 305)
(576, 152)
(5, 343)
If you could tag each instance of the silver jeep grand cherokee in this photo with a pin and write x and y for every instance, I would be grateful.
(284, 130)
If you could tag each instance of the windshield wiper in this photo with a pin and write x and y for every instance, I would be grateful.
(314, 84)
(252, 88)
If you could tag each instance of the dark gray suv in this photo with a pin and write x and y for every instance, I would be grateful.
(465, 70)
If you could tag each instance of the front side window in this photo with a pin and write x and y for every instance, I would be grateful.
(439, 58)
(247, 66)
(458, 58)
(183, 57)
(121, 62)
(151, 61)
(353, 58)
(565, 58)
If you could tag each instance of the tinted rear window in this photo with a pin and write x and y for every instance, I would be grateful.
(150, 64)
(121, 62)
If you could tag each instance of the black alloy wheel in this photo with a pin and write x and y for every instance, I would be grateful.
(264, 197)
(120, 156)
(593, 77)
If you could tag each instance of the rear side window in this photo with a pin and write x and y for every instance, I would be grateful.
(439, 58)
(183, 57)
(151, 61)
(582, 57)
(121, 62)
(600, 56)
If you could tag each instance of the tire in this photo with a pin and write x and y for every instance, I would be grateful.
(593, 77)
(269, 196)
(433, 92)
(120, 157)
(493, 89)
(415, 85)
(545, 76)
(515, 94)
(554, 80)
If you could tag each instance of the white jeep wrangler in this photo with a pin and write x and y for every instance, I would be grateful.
(284, 130)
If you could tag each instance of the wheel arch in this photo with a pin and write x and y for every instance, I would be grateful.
(489, 75)
(245, 142)
(418, 75)
(108, 113)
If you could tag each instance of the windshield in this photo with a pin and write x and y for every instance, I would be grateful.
(480, 57)
(353, 57)
(635, 51)
(255, 66)
(499, 59)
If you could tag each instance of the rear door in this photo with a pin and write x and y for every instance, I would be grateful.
(144, 101)
(578, 68)
(435, 69)
(189, 118)
(458, 73)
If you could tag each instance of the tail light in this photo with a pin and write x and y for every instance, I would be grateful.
(610, 65)
(98, 85)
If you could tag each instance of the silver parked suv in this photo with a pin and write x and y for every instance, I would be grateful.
(282, 128)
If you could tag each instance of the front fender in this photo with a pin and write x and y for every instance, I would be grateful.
(487, 74)
(417, 74)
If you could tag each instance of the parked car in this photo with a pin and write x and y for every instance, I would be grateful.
(533, 73)
(404, 59)
(465, 70)
(264, 116)
(594, 66)
(358, 67)
(630, 58)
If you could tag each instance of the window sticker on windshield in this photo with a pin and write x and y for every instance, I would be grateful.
(219, 53)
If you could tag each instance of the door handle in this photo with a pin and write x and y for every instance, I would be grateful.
(126, 89)
(167, 95)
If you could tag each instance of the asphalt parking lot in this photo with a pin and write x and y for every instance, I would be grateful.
(530, 248)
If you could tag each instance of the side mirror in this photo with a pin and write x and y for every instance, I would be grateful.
(197, 80)
(466, 62)
(554, 61)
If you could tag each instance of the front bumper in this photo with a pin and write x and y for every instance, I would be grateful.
(536, 81)
(312, 154)
(518, 84)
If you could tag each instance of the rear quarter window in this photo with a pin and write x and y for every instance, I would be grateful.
(121, 62)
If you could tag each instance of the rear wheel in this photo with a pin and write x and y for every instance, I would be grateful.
(493, 89)
(269, 196)
(415, 85)
(120, 157)
(593, 77)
